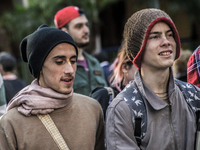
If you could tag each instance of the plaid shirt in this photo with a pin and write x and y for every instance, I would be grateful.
(193, 68)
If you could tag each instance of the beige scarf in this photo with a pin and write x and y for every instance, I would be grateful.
(34, 99)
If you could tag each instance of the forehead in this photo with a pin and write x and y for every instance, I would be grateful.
(63, 49)
(160, 26)
(79, 20)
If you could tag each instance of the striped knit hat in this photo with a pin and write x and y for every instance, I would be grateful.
(137, 29)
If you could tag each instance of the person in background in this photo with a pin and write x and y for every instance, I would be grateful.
(152, 43)
(102, 57)
(180, 65)
(122, 73)
(47, 114)
(12, 83)
(2, 97)
(89, 74)
(193, 68)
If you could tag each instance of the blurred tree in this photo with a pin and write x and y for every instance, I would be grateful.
(24, 19)
(191, 8)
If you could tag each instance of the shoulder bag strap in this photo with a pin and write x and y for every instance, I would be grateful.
(54, 132)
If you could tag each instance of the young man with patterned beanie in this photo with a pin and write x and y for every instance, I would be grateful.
(152, 112)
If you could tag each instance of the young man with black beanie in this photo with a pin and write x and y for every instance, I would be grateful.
(47, 114)
(151, 38)
(89, 74)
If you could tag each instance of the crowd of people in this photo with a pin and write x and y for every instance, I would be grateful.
(73, 104)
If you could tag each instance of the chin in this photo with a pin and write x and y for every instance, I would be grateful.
(68, 91)
(82, 45)
(65, 91)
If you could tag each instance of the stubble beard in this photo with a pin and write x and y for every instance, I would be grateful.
(82, 45)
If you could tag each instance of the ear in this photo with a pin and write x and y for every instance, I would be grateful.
(1, 69)
(124, 68)
(64, 29)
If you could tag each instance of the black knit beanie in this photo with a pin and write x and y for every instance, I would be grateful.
(137, 29)
(35, 47)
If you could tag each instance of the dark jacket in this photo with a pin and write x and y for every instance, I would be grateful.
(85, 82)
(12, 87)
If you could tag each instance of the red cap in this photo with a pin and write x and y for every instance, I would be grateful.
(65, 15)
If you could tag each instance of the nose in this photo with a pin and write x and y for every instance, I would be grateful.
(86, 29)
(68, 67)
(165, 40)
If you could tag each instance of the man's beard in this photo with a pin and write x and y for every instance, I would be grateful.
(82, 45)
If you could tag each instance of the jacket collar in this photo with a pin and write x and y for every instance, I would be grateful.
(149, 95)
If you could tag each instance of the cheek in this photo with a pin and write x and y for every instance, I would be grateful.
(173, 44)
(75, 67)
(74, 34)
(51, 73)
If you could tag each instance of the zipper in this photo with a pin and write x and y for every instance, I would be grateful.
(171, 126)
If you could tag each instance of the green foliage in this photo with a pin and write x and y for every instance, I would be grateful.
(191, 7)
(22, 21)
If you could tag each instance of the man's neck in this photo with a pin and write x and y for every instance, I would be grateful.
(157, 81)
(80, 54)
(9, 76)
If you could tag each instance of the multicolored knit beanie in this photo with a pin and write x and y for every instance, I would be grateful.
(137, 29)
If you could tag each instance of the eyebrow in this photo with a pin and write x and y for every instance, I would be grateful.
(156, 32)
(63, 57)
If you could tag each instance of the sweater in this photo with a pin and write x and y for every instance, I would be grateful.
(80, 123)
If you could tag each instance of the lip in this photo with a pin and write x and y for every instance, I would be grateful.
(165, 53)
(67, 80)
(86, 36)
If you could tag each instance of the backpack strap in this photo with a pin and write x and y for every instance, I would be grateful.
(133, 98)
(192, 96)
